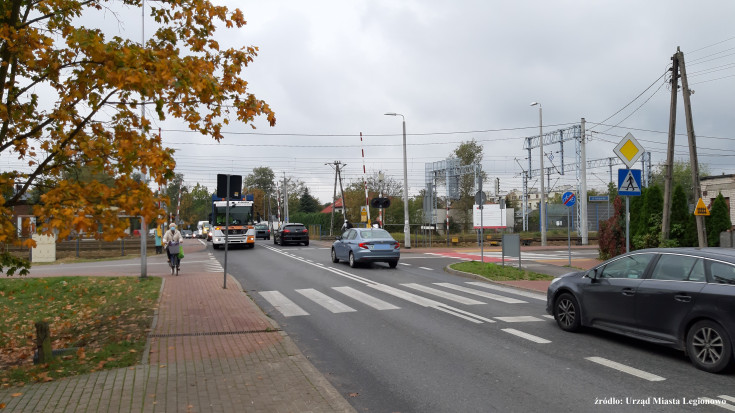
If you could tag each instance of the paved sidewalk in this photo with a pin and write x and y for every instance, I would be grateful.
(211, 350)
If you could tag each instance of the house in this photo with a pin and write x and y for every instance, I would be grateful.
(714, 185)
(337, 204)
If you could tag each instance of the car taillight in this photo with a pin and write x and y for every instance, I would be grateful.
(396, 246)
(285, 230)
(363, 245)
(306, 230)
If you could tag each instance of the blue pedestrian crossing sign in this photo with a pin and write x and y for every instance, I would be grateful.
(629, 182)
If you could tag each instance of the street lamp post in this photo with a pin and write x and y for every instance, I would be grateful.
(406, 225)
(542, 205)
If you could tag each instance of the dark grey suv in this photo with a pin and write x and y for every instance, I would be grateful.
(679, 297)
(291, 233)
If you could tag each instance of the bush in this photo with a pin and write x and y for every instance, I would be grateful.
(612, 233)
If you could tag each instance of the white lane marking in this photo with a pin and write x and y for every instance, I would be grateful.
(325, 301)
(424, 302)
(551, 317)
(484, 294)
(443, 294)
(528, 294)
(725, 406)
(403, 263)
(366, 299)
(719, 403)
(427, 269)
(527, 336)
(626, 369)
(519, 319)
(285, 306)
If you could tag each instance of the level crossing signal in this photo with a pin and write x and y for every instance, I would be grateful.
(380, 202)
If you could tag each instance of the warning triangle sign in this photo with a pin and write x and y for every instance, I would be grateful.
(629, 184)
(701, 209)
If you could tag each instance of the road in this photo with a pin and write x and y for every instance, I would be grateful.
(416, 339)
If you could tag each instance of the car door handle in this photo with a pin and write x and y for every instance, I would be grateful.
(683, 298)
(628, 291)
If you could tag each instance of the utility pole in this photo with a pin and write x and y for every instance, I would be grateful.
(334, 195)
(583, 195)
(693, 162)
(669, 175)
(285, 199)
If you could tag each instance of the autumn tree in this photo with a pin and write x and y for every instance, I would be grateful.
(71, 95)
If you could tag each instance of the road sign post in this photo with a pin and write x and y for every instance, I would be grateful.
(569, 199)
(629, 184)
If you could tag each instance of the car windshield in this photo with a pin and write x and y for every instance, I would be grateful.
(294, 227)
(374, 234)
(261, 227)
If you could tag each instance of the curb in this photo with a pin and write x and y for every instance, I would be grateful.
(154, 322)
(481, 278)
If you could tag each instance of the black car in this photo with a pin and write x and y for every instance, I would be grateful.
(679, 297)
(291, 233)
(262, 231)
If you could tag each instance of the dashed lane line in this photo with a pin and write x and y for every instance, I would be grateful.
(626, 369)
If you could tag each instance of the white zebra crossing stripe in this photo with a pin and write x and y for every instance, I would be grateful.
(285, 306)
(484, 294)
(519, 319)
(527, 336)
(528, 294)
(427, 268)
(443, 294)
(325, 301)
(371, 301)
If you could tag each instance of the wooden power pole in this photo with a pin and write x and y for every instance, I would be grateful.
(679, 70)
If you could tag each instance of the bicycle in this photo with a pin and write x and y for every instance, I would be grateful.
(174, 262)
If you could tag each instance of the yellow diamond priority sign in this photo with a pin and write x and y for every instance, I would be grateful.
(701, 209)
(629, 150)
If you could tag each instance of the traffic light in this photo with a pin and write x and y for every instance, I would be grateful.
(380, 202)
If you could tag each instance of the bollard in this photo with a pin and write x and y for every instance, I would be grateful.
(43, 341)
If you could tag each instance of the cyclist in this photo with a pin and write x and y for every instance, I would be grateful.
(171, 236)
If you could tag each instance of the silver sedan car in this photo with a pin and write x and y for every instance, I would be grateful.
(358, 245)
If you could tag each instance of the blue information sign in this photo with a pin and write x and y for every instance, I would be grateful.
(569, 199)
(629, 182)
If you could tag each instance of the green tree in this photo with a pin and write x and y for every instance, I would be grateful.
(196, 205)
(469, 152)
(680, 219)
(71, 95)
(718, 221)
(682, 176)
(308, 203)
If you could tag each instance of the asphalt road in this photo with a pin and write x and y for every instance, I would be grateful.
(416, 339)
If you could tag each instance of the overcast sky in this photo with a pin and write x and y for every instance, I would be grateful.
(460, 70)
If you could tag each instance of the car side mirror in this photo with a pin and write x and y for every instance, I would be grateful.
(592, 274)
(338, 237)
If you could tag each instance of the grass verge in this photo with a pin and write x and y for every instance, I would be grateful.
(107, 320)
(498, 272)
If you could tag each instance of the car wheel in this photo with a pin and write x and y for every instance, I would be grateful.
(566, 312)
(215, 246)
(306, 244)
(275, 241)
(708, 346)
(353, 264)
(393, 264)
(334, 256)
